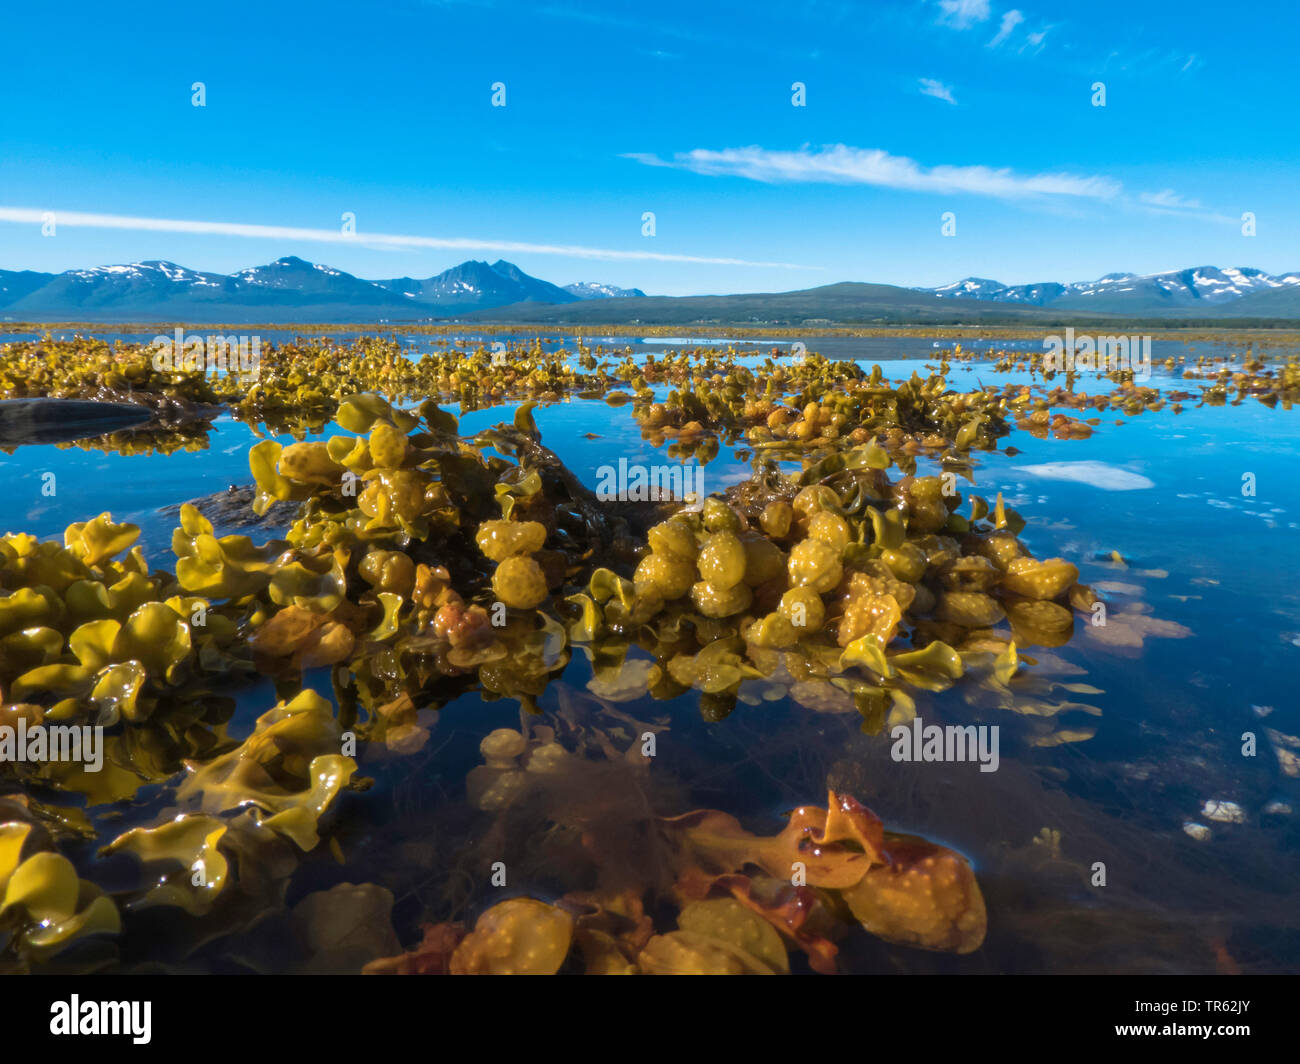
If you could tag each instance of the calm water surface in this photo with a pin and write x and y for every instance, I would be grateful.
(1207, 605)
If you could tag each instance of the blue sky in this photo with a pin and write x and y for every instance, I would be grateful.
(977, 107)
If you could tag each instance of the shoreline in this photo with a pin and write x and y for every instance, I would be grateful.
(1288, 332)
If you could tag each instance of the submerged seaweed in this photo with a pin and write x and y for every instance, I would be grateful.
(422, 563)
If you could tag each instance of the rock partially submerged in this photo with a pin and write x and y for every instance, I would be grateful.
(231, 511)
(31, 421)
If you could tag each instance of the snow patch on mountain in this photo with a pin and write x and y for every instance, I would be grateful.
(1199, 284)
(596, 290)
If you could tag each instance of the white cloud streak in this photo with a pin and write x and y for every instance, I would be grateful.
(839, 164)
(937, 89)
(1010, 21)
(1167, 197)
(962, 14)
(383, 241)
(1168, 202)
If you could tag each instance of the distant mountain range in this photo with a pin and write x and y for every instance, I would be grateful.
(292, 290)
(287, 290)
(1199, 294)
(1120, 293)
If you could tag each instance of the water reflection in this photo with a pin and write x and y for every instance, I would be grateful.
(1115, 736)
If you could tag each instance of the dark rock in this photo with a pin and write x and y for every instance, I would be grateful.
(231, 511)
(34, 421)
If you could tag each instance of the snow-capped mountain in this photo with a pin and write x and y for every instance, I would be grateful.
(288, 289)
(1197, 286)
(297, 282)
(595, 290)
(134, 284)
(982, 288)
(157, 289)
(291, 290)
(474, 285)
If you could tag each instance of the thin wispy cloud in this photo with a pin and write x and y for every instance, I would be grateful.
(382, 241)
(967, 14)
(839, 164)
(962, 14)
(937, 89)
(1169, 198)
(1169, 202)
(1010, 21)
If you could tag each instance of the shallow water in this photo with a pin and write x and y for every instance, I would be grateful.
(1214, 567)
